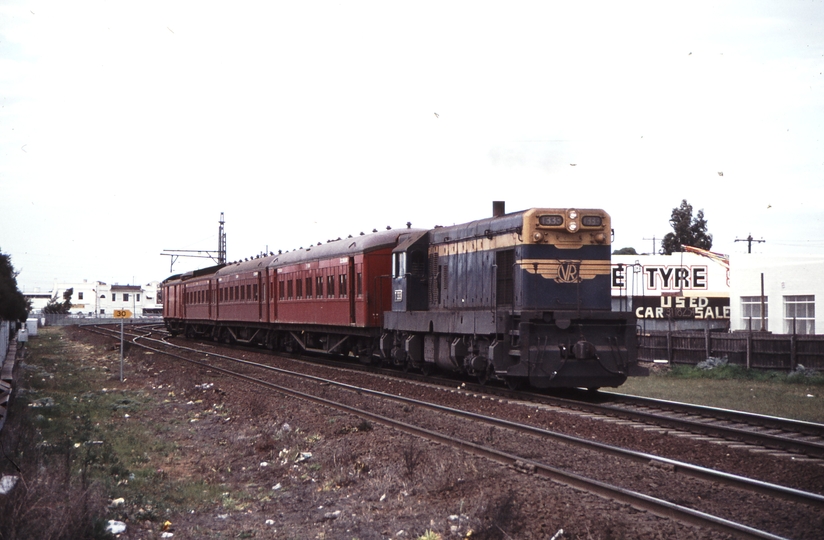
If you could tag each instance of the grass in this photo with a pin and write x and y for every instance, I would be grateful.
(73, 435)
(799, 396)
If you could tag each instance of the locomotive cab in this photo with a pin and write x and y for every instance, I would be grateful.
(409, 274)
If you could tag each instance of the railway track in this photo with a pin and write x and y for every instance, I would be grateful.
(351, 399)
(780, 437)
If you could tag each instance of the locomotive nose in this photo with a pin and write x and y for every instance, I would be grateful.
(584, 350)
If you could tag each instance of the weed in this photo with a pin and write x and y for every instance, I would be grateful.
(412, 457)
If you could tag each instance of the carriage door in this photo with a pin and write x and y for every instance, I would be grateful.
(351, 291)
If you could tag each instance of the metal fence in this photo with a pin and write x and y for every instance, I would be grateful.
(57, 319)
(751, 349)
(6, 330)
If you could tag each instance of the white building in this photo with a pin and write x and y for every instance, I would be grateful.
(98, 299)
(790, 288)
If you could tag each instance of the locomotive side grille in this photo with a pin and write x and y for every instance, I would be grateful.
(434, 280)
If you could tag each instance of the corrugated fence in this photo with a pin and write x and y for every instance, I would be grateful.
(751, 349)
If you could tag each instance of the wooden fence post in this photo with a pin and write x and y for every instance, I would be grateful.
(669, 346)
(793, 352)
(749, 349)
(707, 344)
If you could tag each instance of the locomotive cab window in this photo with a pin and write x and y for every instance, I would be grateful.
(399, 264)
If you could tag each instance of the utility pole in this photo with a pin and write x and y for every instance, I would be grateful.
(221, 240)
(221, 250)
(654, 245)
(749, 240)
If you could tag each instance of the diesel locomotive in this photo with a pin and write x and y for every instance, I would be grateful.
(522, 297)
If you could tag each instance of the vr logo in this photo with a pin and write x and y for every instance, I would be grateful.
(569, 272)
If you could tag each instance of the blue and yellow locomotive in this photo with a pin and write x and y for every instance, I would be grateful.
(522, 297)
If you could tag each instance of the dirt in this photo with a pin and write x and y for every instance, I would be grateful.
(289, 469)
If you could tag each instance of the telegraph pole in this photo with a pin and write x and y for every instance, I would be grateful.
(654, 245)
(220, 258)
(749, 240)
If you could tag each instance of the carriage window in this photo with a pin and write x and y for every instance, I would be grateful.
(342, 286)
(281, 292)
(308, 287)
(289, 289)
(359, 284)
(330, 286)
(249, 291)
(299, 286)
(319, 284)
(255, 292)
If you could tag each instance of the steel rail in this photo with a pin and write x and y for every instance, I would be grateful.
(763, 420)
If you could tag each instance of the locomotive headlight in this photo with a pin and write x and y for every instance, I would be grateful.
(572, 214)
(572, 226)
(537, 236)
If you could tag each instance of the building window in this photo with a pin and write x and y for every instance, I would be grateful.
(799, 314)
(80, 295)
(751, 313)
(125, 297)
(114, 297)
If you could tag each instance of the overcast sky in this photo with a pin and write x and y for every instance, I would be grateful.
(126, 128)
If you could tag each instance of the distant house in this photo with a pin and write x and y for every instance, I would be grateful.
(98, 299)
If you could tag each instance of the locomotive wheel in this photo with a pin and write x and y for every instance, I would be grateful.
(484, 376)
(427, 368)
(514, 383)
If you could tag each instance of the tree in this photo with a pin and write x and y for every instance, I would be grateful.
(13, 305)
(687, 231)
(55, 306)
(625, 251)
